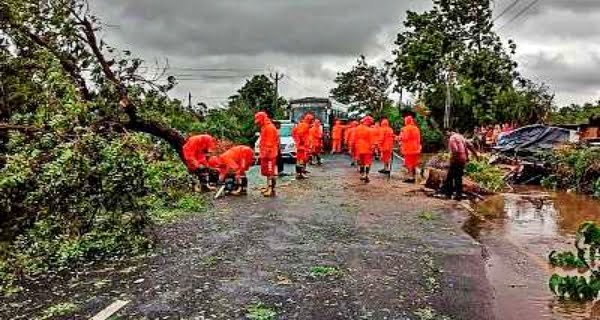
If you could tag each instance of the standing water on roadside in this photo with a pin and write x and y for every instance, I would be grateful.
(518, 231)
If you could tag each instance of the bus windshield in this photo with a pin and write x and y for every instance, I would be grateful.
(319, 111)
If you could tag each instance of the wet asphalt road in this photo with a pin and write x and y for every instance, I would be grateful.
(391, 252)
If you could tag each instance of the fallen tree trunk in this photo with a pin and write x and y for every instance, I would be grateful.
(436, 178)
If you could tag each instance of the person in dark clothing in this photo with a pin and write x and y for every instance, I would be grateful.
(460, 150)
(280, 162)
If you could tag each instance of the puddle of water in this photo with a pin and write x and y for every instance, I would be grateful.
(519, 231)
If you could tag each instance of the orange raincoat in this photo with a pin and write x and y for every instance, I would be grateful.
(336, 136)
(350, 138)
(316, 137)
(195, 149)
(410, 139)
(364, 143)
(386, 144)
(268, 146)
(300, 134)
(236, 160)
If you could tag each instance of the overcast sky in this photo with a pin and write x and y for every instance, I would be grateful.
(214, 45)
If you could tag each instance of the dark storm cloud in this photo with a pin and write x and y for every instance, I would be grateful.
(311, 40)
(251, 27)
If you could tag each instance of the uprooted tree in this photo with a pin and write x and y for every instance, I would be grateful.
(80, 125)
(64, 32)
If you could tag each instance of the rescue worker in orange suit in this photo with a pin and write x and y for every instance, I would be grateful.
(315, 134)
(300, 134)
(386, 145)
(378, 139)
(350, 141)
(336, 137)
(410, 146)
(195, 152)
(268, 149)
(234, 163)
(364, 144)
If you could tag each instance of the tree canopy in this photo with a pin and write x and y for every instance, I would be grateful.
(455, 43)
(364, 88)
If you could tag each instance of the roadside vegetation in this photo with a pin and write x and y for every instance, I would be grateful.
(90, 144)
(574, 168)
(586, 285)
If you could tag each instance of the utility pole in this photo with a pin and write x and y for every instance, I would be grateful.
(276, 78)
(190, 101)
(448, 106)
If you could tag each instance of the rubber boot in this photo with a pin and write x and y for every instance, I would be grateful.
(319, 163)
(367, 169)
(299, 172)
(271, 191)
(362, 173)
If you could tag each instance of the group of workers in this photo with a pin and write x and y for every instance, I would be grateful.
(368, 139)
(230, 167)
(363, 140)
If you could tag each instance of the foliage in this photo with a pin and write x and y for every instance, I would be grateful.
(565, 260)
(77, 177)
(258, 94)
(323, 271)
(455, 42)
(58, 310)
(486, 175)
(579, 287)
(431, 136)
(428, 216)
(575, 113)
(236, 121)
(259, 311)
(574, 167)
(364, 88)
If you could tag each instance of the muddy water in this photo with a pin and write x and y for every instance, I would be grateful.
(518, 230)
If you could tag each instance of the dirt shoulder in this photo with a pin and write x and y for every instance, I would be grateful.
(326, 248)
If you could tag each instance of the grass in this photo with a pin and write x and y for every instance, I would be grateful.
(428, 313)
(259, 311)
(428, 216)
(58, 310)
(323, 271)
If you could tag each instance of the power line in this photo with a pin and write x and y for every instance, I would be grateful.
(300, 84)
(522, 12)
(506, 10)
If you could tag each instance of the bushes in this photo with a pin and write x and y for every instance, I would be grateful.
(486, 175)
(77, 200)
(575, 167)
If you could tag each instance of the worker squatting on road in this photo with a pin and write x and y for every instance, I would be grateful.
(410, 146)
(336, 137)
(268, 150)
(196, 150)
(232, 166)
(364, 144)
(315, 134)
(300, 134)
(386, 146)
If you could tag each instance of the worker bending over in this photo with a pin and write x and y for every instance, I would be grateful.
(233, 165)
(196, 150)
(300, 134)
(364, 144)
(268, 149)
